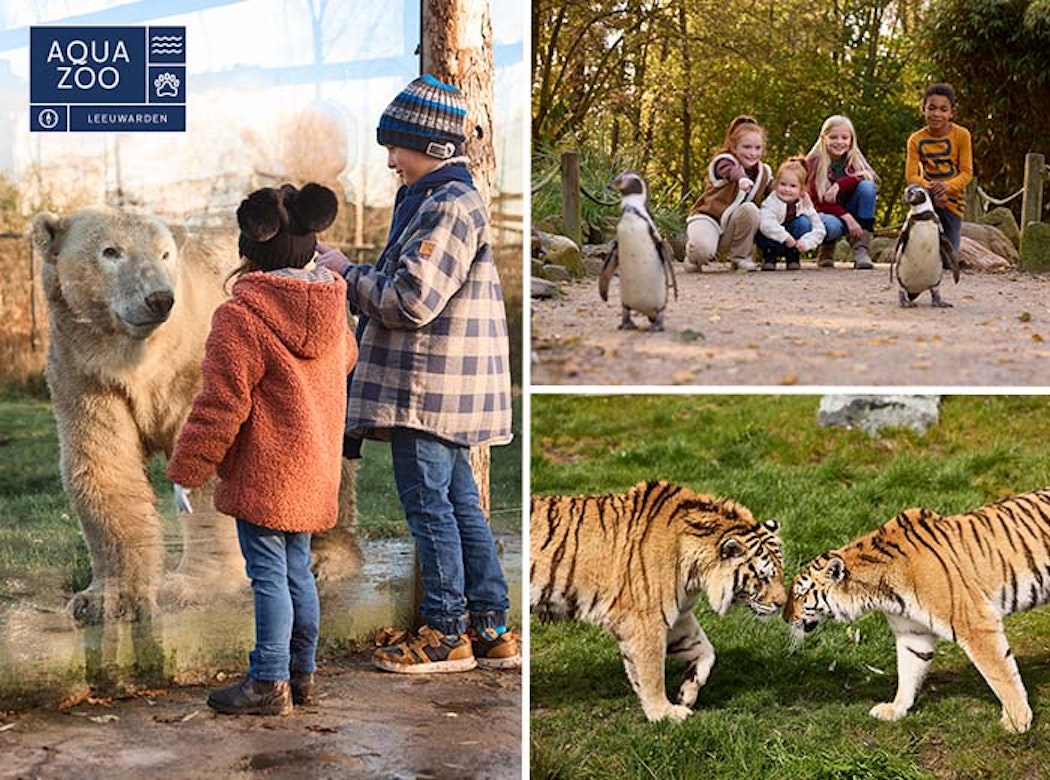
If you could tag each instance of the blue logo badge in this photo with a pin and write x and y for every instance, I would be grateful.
(97, 79)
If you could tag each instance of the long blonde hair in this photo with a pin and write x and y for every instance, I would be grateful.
(856, 163)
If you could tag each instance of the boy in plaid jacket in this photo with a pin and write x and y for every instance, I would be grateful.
(433, 379)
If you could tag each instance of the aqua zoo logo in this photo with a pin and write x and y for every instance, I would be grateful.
(124, 79)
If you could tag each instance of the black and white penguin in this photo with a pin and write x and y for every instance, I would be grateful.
(923, 251)
(643, 258)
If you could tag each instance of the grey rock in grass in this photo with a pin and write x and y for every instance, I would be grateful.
(873, 413)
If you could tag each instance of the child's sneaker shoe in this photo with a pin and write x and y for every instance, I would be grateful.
(429, 652)
(769, 265)
(494, 650)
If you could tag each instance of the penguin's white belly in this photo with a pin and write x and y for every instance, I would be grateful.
(919, 267)
(642, 284)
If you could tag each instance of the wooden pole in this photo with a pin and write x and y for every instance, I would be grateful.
(570, 196)
(1032, 200)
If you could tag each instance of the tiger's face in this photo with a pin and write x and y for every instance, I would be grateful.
(750, 571)
(818, 593)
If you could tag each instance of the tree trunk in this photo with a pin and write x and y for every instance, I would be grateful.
(457, 48)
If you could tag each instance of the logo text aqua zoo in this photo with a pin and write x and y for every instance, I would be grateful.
(94, 79)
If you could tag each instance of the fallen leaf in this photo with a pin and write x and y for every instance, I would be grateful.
(789, 379)
(8, 726)
(683, 377)
(74, 699)
(690, 335)
(104, 718)
(1037, 338)
(1025, 317)
(837, 353)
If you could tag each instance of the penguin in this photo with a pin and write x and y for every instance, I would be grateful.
(923, 251)
(644, 259)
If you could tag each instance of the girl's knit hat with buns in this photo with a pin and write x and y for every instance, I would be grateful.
(279, 226)
(428, 116)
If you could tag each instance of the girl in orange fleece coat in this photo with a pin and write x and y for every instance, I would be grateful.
(267, 421)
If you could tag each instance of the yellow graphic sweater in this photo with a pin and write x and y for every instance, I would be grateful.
(948, 158)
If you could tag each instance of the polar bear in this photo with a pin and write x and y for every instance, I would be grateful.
(129, 311)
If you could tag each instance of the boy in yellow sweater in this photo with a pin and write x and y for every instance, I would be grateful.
(940, 158)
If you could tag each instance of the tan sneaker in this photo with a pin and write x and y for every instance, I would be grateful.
(429, 652)
(495, 651)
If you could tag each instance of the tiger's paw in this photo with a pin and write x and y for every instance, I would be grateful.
(688, 693)
(1019, 723)
(887, 710)
(668, 711)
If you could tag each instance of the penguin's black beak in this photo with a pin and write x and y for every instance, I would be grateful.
(615, 183)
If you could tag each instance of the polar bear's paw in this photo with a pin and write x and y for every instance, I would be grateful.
(96, 604)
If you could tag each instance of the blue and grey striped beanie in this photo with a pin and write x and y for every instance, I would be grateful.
(428, 116)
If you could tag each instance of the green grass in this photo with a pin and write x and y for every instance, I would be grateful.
(768, 712)
(39, 535)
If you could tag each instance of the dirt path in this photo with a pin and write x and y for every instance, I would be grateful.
(810, 327)
(367, 724)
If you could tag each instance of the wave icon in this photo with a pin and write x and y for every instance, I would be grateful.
(166, 45)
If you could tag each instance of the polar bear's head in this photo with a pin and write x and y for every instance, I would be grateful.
(112, 271)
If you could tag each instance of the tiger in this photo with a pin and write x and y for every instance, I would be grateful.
(939, 577)
(637, 562)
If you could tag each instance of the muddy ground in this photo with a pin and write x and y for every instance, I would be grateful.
(367, 724)
(811, 327)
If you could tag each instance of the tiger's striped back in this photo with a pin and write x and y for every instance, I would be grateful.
(649, 549)
(923, 563)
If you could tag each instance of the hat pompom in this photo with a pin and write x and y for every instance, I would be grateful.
(313, 208)
(262, 214)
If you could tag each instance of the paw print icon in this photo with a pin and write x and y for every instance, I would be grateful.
(166, 85)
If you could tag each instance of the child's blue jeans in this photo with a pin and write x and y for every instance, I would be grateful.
(287, 610)
(860, 203)
(462, 578)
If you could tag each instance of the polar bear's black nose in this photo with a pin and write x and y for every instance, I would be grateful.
(160, 303)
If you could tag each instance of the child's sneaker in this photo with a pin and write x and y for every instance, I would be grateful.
(429, 652)
(495, 650)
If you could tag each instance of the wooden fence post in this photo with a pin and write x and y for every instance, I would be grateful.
(973, 208)
(1032, 200)
(570, 196)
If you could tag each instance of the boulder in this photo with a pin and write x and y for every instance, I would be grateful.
(991, 238)
(1002, 218)
(563, 251)
(1035, 247)
(874, 413)
(557, 273)
(882, 249)
(541, 288)
(975, 257)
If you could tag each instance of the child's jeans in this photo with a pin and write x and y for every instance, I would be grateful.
(287, 611)
(952, 224)
(454, 545)
(861, 204)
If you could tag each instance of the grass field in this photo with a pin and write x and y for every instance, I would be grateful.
(38, 533)
(766, 711)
